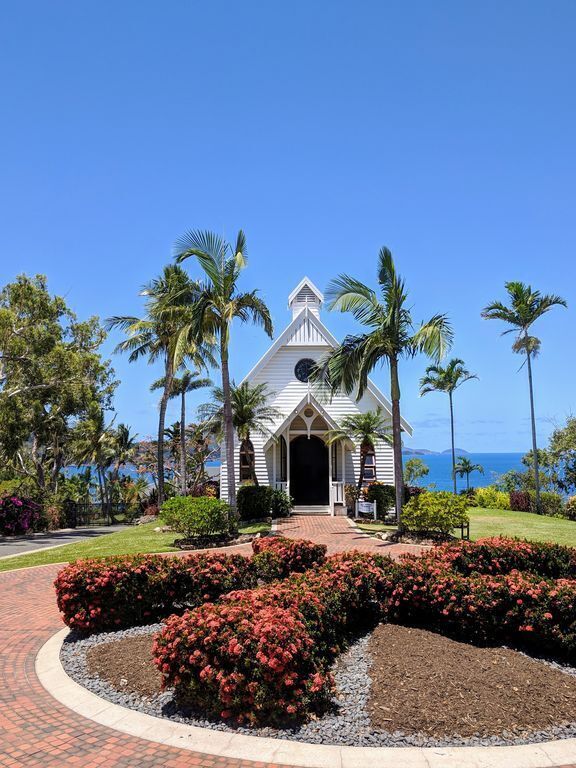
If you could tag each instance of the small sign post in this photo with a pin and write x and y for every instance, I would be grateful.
(364, 508)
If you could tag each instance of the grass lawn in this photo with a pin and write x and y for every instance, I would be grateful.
(136, 539)
(499, 522)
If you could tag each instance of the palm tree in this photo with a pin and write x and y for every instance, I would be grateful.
(526, 306)
(250, 413)
(363, 428)
(466, 467)
(124, 446)
(218, 303)
(189, 381)
(165, 334)
(93, 445)
(390, 335)
(448, 379)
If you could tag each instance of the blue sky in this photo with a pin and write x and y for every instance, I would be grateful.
(444, 130)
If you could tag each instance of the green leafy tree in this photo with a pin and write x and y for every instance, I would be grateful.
(390, 335)
(447, 379)
(200, 438)
(414, 470)
(217, 305)
(366, 429)
(562, 451)
(525, 307)
(250, 414)
(52, 376)
(464, 468)
(165, 335)
(188, 381)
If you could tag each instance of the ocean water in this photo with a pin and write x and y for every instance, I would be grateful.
(494, 464)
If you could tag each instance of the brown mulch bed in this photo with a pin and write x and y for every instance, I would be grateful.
(127, 665)
(425, 683)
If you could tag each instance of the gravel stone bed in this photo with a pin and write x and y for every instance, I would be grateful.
(348, 724)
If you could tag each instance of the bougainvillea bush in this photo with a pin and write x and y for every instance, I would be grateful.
(115, 592)
(263, 655)
(18, 515)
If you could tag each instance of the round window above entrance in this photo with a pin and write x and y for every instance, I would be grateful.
(303, 369)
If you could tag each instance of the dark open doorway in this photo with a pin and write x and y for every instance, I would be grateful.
(309, 471)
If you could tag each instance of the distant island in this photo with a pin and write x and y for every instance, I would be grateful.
(426, 452)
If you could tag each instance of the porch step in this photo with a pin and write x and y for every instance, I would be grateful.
(311, 510)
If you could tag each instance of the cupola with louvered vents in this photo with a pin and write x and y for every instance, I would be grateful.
(305, 295)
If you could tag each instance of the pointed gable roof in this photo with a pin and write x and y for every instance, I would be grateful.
(319, 336)
(305, 286)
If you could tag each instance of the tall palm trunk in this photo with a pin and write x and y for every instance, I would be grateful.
(168, 378)
(467, 481)
(397, 439)
(452, 436)
(228, 422)
(183, 480)
(534, 446)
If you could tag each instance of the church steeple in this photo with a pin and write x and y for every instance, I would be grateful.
(305, 295)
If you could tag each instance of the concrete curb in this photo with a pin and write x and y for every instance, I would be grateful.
(241, 747)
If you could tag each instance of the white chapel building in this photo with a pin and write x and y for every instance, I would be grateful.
(296, 458)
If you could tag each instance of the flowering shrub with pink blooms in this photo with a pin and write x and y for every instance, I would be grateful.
(263, 655)
(520, 608)
(502, 555)
(276, 557)
(18, 515)
(115, 592)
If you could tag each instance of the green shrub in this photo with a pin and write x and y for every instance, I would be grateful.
(351, 495)
(383, 495)
(196, 515)
(281, 503)
(491, 498)
(254, 502)
(570, 508)
(435, 511)
(551, 504)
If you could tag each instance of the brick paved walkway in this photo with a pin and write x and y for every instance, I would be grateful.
(339, 535)
(38, 732)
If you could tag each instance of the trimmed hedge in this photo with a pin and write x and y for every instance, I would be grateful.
(504, 555)
(276, 557)
(197, 516)
(520, 501)
(255, 502)
(263, 655)
(435, 512)
(383, 495)
(115, 592)
(521, 609)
